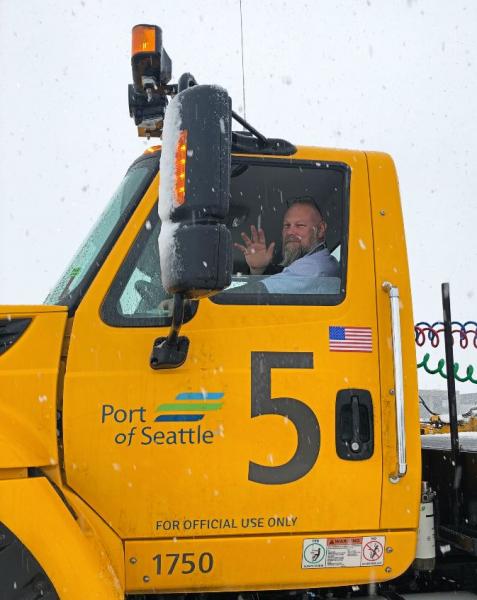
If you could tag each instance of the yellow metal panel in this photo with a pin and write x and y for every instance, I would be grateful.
(250, 564)
(22, 310)
(145, 486)
(110, 366)
(400, 500)
(34, 512)
(93, 526)
(28, 389)
(13, 473)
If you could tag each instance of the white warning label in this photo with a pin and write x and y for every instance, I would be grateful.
(373, 551)
(319, 553)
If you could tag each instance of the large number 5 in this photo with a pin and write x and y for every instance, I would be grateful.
(301, 415)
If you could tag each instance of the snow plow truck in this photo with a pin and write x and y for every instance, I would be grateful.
(173, 421)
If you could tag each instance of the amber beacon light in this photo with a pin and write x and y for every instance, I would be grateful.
(145, 39)
(151, 71)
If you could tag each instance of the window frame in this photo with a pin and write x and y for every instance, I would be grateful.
(110, 315)
(269, 299)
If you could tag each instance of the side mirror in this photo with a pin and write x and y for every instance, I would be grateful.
(195, 246)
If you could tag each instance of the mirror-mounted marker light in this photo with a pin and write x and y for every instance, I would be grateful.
(180, 168)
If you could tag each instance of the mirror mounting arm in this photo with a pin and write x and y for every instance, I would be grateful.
(171, 352)
(178, 304)
(261, 138)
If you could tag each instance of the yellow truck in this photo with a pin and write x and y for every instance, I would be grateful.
(172, 420)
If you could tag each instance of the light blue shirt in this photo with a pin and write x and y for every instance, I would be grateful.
(314, 273)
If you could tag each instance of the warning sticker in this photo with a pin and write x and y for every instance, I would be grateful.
(373, 551)
(314, 554)
(319, 553)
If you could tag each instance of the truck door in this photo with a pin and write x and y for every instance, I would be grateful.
(218, 473)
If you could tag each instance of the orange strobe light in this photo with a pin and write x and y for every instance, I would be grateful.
(144, 39)
(181, 156)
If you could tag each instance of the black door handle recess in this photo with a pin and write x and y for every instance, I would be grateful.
(354, 424)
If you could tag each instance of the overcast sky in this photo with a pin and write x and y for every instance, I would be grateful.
(395, 75)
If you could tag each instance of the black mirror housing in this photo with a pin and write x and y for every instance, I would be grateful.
(195, 245)
(201, 258)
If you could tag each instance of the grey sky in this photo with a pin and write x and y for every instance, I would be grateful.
(398, 76)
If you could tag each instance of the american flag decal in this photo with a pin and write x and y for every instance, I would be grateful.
(351, 339)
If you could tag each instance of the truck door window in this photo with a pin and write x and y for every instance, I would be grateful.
(300, 206)
(262, 191)
(136, 297)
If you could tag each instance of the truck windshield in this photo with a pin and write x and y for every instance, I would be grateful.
(75, 280)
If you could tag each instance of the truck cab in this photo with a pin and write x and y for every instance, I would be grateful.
(272, 456)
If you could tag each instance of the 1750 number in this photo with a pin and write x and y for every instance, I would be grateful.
(187, 562)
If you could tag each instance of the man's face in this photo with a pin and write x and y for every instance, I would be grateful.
(303, 228)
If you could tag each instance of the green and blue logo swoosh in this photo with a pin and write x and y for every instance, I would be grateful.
(189, 406)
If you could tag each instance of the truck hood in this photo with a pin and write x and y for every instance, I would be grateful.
(31, 339)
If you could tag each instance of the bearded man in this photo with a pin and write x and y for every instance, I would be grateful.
(304, 251)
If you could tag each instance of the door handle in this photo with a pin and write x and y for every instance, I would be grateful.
(355, 443)
(401, 465)
(354, 424)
